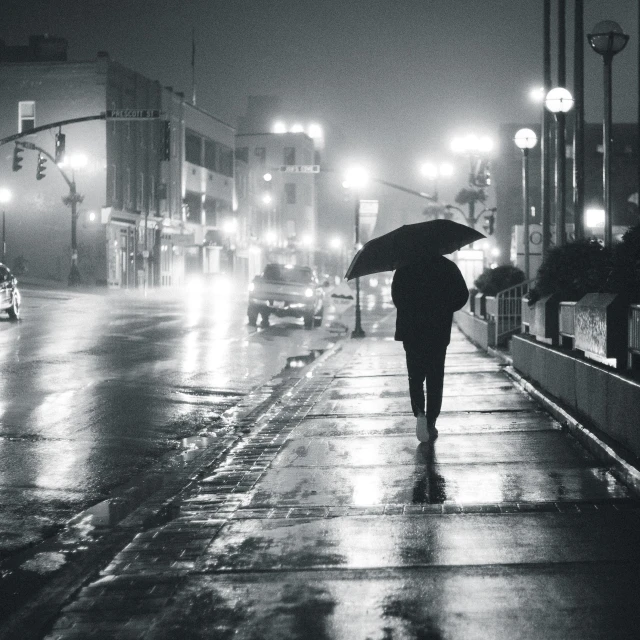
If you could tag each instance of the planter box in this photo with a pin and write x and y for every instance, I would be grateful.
(601, 396)
(544, 320)
(480, 332)
(601, 328)
(525, 315)
(491, 307)
(479, 306)
(566, 323)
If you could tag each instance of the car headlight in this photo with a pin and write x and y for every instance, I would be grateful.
(252, 286)
(308, 293)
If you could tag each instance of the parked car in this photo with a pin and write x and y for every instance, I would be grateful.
(9, 293)
(286, 290)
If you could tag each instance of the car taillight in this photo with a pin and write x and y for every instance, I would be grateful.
(308, 293)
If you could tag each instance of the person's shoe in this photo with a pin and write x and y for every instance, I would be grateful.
(422, 432)
(431, 429)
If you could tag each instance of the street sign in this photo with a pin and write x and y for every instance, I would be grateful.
(369, 207)
(132, 114)
(300, 168)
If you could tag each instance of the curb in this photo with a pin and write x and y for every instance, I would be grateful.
(621, 468)
(156, 510)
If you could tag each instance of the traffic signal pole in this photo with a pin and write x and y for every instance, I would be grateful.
(71, 201)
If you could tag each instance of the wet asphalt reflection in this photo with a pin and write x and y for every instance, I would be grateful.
(96, 388)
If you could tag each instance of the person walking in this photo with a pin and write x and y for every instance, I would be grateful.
(425, 295)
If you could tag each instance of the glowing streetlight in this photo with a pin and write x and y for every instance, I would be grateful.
(536, 94)
(307, 240)
(433, 171)
(315, 131)
(607, 39)
(297, 128)
(279, 127)
(594, 218)
(230, 225)
(476, 148)
(525, 139)
(336, 243)
(558, 101)
(5, 195)
(267, 198)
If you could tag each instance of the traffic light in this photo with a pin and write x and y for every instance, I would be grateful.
(481, 173)
(60, 146)
(42, 161)
(166, 142)
(489, 223)
(17, 158)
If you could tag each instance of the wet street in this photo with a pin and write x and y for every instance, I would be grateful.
(97, 388)
(328, 520)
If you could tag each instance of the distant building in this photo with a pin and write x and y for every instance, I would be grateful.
(151, 203)
(285, 224)
(507, 174)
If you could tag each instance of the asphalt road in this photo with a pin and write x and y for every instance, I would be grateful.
(96, 387)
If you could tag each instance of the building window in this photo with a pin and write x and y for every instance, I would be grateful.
(26, 116)
(225, 161)
(127, 189)
(114, 184)
(193, 148)
(242, 153)
(289, 155)
(140, 194)
(261, 154)
(290, 192)
(152, 193)
(210, 155)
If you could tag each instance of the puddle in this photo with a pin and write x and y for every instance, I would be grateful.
(297, 362)
(45, 562)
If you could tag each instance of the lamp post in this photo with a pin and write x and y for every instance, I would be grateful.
(558, 101)
(356, 179)
(607, 39)
(525, 139)
(434, 171)
(5, 196)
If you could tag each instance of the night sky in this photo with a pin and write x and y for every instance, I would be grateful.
(397, 78)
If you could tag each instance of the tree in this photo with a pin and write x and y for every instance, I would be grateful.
(435, 210)
(470, 196)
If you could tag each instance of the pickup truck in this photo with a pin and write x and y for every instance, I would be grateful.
(286, 290)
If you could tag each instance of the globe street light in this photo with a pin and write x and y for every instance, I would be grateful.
(525, 139)
(558, 101)
(433, 171)
(356, 178)
(607, 39)
(5, 196)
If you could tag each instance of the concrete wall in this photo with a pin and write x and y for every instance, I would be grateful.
(604, 398)
(479, 331)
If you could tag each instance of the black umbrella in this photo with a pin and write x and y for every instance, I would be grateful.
(411, 243)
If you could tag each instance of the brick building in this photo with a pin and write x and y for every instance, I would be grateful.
(145, 214)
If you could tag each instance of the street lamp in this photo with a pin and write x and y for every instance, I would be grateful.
(607, 39)
(558, 101)
(433, 171)
(476, 148)
(525, 139)
(357, 177)
(5, 196)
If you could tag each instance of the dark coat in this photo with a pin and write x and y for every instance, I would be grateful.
(426, 295)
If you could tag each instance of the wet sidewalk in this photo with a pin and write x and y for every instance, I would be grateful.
(329, 520)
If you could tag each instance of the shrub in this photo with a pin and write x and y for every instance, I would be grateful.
(572, 271)
(624, 277)
(490, 281)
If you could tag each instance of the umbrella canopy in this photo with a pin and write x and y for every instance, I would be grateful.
(411, 243)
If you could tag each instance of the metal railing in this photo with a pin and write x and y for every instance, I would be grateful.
(633, 343)
(506, 310)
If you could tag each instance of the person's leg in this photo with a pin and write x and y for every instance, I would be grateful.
(435, 381)
(416, 369)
